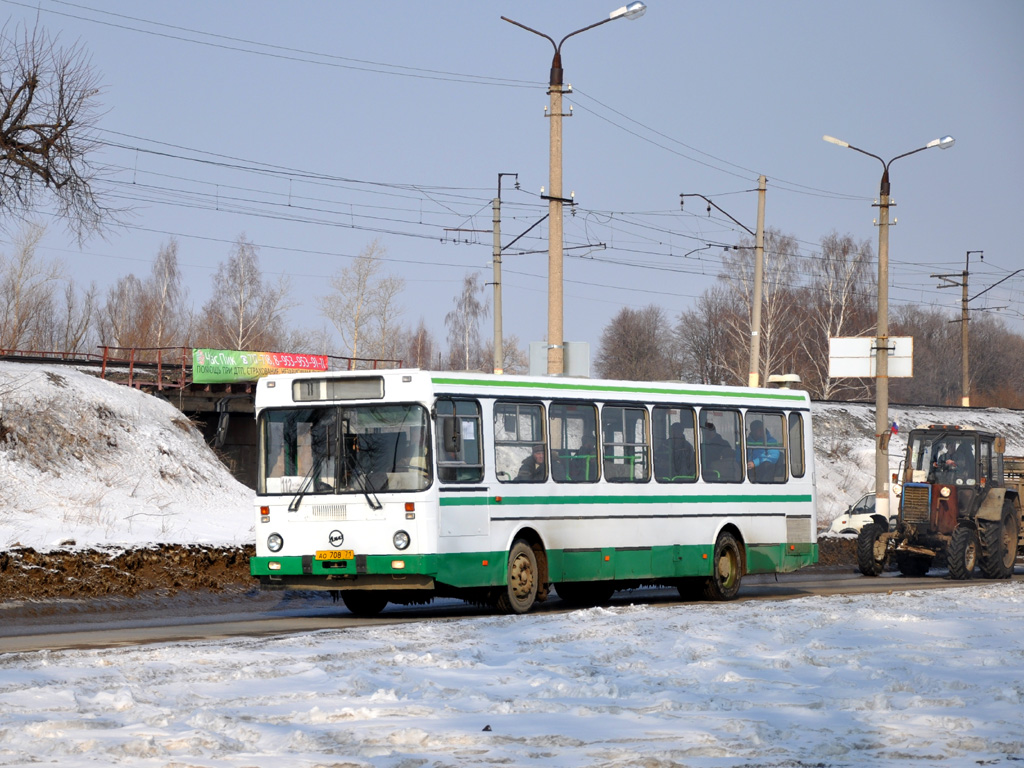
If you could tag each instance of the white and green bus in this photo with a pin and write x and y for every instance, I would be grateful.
(404, 485)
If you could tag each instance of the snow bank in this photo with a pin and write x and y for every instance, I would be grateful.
(87, 462)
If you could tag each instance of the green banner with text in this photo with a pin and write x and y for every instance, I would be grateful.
(225, 366)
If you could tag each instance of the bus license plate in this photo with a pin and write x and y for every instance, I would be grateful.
(335, 554)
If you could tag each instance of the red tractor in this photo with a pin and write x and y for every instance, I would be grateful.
(960, 501)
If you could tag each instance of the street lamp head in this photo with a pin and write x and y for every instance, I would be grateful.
(631, 11)
(834, 140)
(944, 143)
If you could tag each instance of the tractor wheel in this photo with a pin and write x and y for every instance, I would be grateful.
(963, 553)
(999, 544)
(871, 549)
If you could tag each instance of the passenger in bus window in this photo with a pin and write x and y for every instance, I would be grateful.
(583, 466)
(716, 447)
(533, 469)
(761, 460)
(675, 459)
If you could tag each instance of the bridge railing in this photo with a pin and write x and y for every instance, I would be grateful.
(160, 368)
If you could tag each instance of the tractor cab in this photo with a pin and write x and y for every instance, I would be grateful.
(947, 472)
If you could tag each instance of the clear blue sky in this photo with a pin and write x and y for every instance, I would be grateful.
(316, 127)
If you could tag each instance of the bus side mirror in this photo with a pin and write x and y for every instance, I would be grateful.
(451, 435)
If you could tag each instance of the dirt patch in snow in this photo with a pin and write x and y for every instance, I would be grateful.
(26, 574)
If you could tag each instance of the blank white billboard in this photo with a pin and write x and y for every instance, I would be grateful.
(854, 357)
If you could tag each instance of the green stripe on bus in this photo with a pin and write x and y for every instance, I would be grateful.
(488, 569)
(473, 501)
(773, 394)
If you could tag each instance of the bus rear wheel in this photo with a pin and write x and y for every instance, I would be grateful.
(523, 583)
(726, 569)
(365, 605)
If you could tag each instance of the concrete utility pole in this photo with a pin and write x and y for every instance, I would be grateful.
(754, 376)
(499, 344)
(965, 399)
(499, 352)
(753, 380)
(882, 429)
(556, 342)
(965, 386)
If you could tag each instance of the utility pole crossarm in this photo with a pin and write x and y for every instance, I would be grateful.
(717, 208)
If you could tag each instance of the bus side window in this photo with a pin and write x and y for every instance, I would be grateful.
(572, 432)
(624, 444)
(459, 454)
(797, 466)
(720, 435)
(518, 429)
(766, 449)
(675, 458)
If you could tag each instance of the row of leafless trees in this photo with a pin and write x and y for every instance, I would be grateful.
(41, 310)
(807, 300)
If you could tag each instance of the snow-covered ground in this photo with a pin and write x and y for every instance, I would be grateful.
(907, 678)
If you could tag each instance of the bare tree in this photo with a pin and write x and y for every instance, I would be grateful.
(638, 345)
(40, 309)
(121, 324)
(709, 354)
(836, 302)
(514, 359)
(936, 379)
(385, 332)
(27, 289)
(48, 115)
(245, 311)
(464, 350)
(144, 314)
(166, 296)
(996, 363)
(364, 306)
(418, 347)
(73, 327)
(778, 320)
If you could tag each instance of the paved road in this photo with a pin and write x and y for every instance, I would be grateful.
(68, 624)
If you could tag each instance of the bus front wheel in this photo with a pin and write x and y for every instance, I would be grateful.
(727, 569)
(365, 605)
(522, 585)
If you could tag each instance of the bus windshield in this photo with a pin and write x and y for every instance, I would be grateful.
(358, 449)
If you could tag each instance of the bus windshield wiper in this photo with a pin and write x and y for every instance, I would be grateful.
(364, 486)
(306, 482)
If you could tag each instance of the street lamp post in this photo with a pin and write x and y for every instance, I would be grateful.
(882, 430)
(556, 345)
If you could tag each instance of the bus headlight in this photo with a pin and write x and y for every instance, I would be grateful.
(401, 540)
(275, 542)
